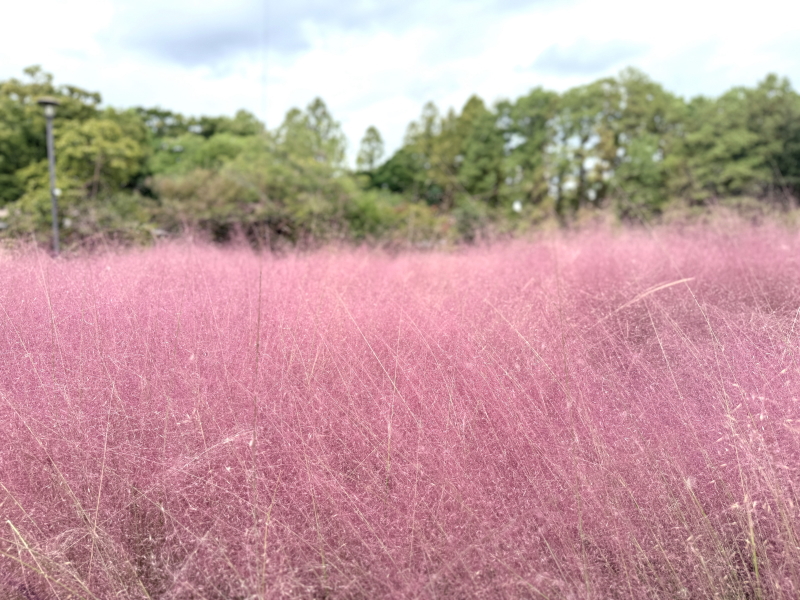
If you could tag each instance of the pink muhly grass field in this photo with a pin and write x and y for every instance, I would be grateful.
(589, 416)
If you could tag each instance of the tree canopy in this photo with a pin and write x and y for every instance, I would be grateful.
(623, 144)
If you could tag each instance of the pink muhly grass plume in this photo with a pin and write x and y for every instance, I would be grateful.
(587, 416)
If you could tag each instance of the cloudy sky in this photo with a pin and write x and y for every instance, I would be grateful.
(375, 62)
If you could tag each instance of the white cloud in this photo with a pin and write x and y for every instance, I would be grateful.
(376, 63)
(584, 57)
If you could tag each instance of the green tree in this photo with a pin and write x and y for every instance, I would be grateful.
(400, 173)
(370, 151)
(313, 133)
(526, 128)
(243, 123)
(454, 154)
(744, 142)
(481, 168)
(610, 138)
(579, 150)
(433, 166)
(644, 136)
(163, 123)
(286, 184)
(22, 124)
(191, 151)
(102, 153)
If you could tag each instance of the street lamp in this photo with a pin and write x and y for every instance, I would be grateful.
(49, 105)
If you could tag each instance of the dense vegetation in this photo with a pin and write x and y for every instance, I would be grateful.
(623, 144)
(588, 416)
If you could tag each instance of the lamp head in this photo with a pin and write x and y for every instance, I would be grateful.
(49, 105)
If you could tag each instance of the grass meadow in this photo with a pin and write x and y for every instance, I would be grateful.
(590, 415)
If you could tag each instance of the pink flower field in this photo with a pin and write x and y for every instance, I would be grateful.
(592, 415)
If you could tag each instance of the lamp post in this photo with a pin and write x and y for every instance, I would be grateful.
(49, 105)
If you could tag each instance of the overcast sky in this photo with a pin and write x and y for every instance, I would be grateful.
(376, 62)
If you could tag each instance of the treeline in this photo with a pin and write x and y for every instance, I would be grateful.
(623, 144)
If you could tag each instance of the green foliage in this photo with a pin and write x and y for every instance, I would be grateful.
(745, 142)
(371, 151)
(640, 178)
(471, 217)
(285, 183)
(526, 129)
(184, 153)
(621, 142)
(445, 156)
(105, 152)
(313, 134)
(243, 123)
(22, 124)
(373, 215)
(581, 144)
(164, 123)
(480, 171)
(399, 173)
